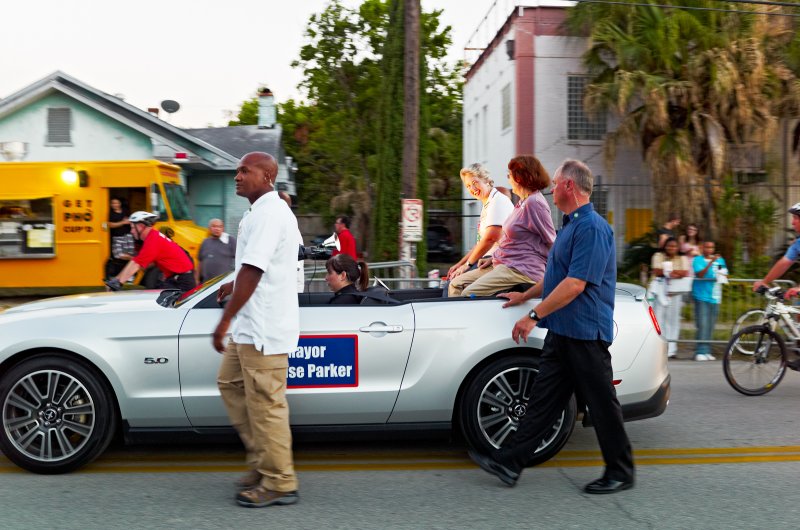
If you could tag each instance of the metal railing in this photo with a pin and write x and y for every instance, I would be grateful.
(395, 274)
(737, 297)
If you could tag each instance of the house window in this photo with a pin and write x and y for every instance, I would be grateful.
(59, 124)
(580, 125)
(506, 103)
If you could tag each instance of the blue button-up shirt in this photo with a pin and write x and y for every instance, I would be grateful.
(584, 250)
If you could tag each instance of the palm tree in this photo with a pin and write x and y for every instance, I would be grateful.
(688, 85)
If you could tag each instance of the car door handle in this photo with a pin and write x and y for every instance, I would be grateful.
(380, 327)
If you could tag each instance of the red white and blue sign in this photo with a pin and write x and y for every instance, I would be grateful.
(324, 361)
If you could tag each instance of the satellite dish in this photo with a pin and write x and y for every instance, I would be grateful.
(170, 106)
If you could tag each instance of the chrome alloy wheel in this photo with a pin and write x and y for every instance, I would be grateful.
(48, 415)
(504, 401)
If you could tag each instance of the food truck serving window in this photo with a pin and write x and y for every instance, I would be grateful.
(26, 227)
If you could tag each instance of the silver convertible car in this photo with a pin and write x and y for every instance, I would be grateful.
(77, 371)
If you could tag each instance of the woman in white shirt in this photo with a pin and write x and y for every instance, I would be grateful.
(673, 271)
(496, 208)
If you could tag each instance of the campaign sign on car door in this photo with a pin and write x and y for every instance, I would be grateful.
(324, 361)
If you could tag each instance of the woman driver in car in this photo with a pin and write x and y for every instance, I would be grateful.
(343, 273)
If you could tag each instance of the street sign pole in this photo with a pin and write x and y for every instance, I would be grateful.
(410, 233)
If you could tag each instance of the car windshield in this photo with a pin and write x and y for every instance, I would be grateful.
(204, 288)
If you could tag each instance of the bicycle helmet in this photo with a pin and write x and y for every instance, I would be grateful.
(795, 210)
(146, 218)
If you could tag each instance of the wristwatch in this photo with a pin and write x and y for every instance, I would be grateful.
(533, 316)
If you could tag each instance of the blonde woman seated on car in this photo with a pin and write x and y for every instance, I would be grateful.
(496, 209)
(528, 234)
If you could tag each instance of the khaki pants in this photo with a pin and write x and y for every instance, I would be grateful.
(253, 388)
(486, 282)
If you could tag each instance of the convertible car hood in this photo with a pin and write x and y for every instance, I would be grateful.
(88, 303)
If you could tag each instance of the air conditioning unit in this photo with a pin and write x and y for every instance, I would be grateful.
(14, 151)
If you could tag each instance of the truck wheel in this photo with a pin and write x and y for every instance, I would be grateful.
(497, 399)
(57, 415)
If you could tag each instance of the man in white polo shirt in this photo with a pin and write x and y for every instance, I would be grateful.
(252, 376)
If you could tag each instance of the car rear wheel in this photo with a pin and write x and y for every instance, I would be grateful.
(497, 399)
(57, 415)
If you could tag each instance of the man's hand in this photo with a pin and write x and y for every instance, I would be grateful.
(484, 263)
(224, 291)
(113, 284)
(218, 339)
(757, 285)
(791, 293)
(522, 329)
(513, 298)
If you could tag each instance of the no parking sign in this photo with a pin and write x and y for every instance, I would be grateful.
(412, 219)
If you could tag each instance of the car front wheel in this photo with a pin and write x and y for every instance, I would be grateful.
(497, 399)
(57, 415)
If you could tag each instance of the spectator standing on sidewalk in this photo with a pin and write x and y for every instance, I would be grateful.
(347, 243)
(217, 252)
(670, 267)
(667, 230)
(710, 271)
(691, 243)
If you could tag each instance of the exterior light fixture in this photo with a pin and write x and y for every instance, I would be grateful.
(69, 176)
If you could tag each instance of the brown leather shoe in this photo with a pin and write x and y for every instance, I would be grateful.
(249, 480)
(261, 497)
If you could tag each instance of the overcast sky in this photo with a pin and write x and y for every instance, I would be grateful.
(209, 55)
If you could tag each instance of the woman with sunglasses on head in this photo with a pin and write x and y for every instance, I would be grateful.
(496, 209)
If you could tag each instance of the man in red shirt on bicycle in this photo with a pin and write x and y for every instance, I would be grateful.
(168, 256)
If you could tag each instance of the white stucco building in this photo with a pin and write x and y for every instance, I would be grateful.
(524, 95)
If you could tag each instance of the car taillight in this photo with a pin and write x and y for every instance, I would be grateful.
(654, 319)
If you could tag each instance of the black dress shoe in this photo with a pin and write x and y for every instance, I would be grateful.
(607, 485)
(497, 469)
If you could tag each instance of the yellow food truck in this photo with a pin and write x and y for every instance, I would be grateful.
(54, 217)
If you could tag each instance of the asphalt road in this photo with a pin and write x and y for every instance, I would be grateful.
(715, 459)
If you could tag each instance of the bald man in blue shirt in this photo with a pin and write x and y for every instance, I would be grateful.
(577, 308)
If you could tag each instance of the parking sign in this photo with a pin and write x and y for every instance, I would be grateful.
(412, 219)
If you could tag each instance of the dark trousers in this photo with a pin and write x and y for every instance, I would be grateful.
(569, 365)
(184, 282)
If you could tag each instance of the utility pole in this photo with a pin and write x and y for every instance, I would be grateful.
(410, 165)
(411, 104)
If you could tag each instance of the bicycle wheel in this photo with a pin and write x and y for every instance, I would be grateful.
(759, 372)
(751, 317)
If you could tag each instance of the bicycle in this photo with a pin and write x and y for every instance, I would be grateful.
(757, 357)
(751, 317)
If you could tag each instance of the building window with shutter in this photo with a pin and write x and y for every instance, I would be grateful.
(580, 125)
(59, 125)
(506, 102)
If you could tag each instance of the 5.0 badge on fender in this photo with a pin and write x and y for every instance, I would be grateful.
(156, 360)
